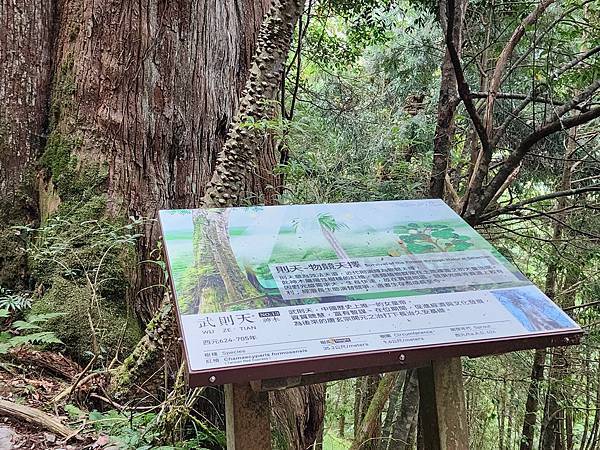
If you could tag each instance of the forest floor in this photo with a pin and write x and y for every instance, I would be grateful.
(334, 442)
(36, 389)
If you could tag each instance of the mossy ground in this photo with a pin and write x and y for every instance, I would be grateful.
(80, 258)
(114, 330)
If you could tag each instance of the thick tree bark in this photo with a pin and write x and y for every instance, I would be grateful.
(143, 94)
(25, 74)
(148, 91)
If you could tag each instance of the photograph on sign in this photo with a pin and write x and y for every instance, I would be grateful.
(269, 285)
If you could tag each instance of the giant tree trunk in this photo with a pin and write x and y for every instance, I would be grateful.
(138, 98)
(134, 100)
(148, 90)
(25, 71)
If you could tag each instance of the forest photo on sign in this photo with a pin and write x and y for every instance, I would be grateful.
(300, 224)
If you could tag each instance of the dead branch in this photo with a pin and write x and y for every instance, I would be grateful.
(36, 417)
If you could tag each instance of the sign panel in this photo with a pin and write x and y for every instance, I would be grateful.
(264, 292)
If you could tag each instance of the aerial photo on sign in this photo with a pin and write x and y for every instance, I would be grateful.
(270, 285)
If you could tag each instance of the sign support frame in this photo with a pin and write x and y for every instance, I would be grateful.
(247, 418)
(442, 406)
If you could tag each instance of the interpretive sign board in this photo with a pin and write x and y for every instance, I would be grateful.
(282, 291)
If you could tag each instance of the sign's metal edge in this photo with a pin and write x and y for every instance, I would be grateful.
(394, 359)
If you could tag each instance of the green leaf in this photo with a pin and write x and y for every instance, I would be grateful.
(44, 317)
(43, 337)
(22, 325)
(73, 412)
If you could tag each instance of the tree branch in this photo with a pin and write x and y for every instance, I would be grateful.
(539, 198)
(575, 61)
(517, 96)
(505, 57)
(532, 95)
(515, 158)
(463, 87)
(36, 417)
(579, 98)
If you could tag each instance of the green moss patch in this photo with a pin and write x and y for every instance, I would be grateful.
(113, 329)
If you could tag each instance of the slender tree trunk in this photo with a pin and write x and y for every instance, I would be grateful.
(555, 426)
(365, 390)
(369, 430)
(501, 416)
(444, 132)
(299, 413)
(390, 414)
(533, 396)
(343, 397)
(593, 440)
(537, 373)
(447, 103)
(552, 426)
(404, 426)
(359, 387)
(586, 408)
